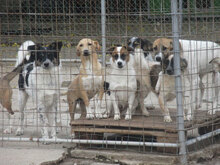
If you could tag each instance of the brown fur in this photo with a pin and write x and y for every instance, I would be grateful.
(6, 90)
(165, 45)
(76, 89)
(124, 50)
(155, 70)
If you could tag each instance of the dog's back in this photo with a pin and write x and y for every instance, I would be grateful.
(23, 52)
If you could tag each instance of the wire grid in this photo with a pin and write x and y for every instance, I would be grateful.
(45, 21)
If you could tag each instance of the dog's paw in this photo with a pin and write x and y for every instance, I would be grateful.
(211, 112)
(99, 115)
(117, 117)
(128, 117)
(8, 131)
(90, 116)
(20, 131)
(189, 117)
(167, 119)
(145, 112)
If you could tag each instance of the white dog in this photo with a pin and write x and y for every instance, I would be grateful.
(39, 80)
(121, 84)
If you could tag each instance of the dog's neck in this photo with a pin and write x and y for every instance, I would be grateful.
(90, 65)
(140, 61)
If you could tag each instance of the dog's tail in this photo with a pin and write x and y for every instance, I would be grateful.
(23, 52)
(9, 76)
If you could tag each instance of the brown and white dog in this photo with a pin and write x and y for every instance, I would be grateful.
(121, 84)
(166, 85)
(88, 82)
(197, 54)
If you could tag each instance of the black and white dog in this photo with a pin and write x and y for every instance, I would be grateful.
(39, 80)
(144, 44)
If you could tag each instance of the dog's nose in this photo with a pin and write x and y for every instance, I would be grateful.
(169, 71)
(86, 52)
(158, 58)
(46, 64)
(120, 64)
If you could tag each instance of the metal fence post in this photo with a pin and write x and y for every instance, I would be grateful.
(103, 19)
(178, 82)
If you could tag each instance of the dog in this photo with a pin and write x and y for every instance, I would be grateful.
(39, 80)
(89, 80)
(121, 84)
(144, 44)
(166, 86)
(197, 54)
(6, 90)
(216, 79)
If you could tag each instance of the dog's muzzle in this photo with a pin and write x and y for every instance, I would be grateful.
(169, 71)
(120, 65)
(158, 57)
(86, 53)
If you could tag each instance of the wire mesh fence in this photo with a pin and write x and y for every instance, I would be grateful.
(144, 89)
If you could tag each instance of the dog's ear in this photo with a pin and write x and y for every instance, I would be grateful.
(32, 47)
(77, 51)
(148, 47)
(110, 50)
(183, 63)
(97, 46)
(129, 49)
(56, 46)
(171, 45)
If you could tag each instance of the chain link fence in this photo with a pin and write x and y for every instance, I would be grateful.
(46, 21)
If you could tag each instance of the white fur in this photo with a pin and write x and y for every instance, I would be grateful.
(23, 52)
(141, 65)
(123, 88)
(198, 54)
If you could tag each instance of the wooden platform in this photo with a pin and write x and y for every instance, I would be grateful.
(152, 126)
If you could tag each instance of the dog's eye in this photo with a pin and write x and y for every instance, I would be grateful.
(116, 56)
(123, 56)
(164, 48)
(89, 44)
(80, 45)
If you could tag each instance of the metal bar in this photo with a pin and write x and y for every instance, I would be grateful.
(103, 19)
(130, 143)
(82, 141)
(178, 82)
(180, 16)
(203, 137)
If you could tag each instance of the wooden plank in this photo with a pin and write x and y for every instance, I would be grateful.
(154, 121)
(128, 132)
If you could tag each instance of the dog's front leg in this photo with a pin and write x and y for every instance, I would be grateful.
(141, 101)
(160, 79)
(89, 113)
(52, 122)
(215, 90)
(117, 115)
(22, 103)
(163, 106)
(128, 114)
(44, 121)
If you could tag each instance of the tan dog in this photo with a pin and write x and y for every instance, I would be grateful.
(162, 48)
(88, 82)
(197, 54)
(6, 90)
